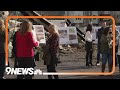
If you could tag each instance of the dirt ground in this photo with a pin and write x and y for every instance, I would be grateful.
(73, 60)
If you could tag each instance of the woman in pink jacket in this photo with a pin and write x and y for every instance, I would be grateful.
(24, 48)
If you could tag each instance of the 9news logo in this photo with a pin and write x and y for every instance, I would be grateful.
(23, 71)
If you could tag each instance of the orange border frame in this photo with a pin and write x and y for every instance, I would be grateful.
(67, 73)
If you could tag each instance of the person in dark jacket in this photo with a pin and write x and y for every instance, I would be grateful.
(106, 50)
(14, 50)
(99, 34)
(2, 49)
(118, 49)
(51, 51)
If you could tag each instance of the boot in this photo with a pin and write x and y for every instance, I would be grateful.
(103, 68)
(87, 64)
(110, 68)
(56, 77)
(91, 63)
(50, 77)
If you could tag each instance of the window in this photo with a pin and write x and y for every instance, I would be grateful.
(78, 18)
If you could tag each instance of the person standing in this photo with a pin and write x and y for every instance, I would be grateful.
(99, 34)
(88, 45)
(2, 49)
(50, 51)
(106, 50)
(118, 50)
(14, 50)
(24, 48)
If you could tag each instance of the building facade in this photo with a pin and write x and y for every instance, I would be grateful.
(75, 13)
(83, 13)
(115, 14)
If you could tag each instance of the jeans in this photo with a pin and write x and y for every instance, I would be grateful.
(98, 56)
(89, 51)
(88, 57)
(98, 53)
(106, 57)
(118, 60)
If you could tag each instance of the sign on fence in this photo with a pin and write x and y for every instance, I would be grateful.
(68, 35)
(40, 33)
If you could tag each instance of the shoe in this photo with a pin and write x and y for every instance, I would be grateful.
(3, 78)
(59, 62)
(87, 65)
(97, 64)
(91, 64)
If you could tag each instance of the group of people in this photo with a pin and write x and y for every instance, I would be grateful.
(24, 42)
(104, 47)
(25, 53)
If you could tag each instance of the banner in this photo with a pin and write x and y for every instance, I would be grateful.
(68, 35)
(40, 33)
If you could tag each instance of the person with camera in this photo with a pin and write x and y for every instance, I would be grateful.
(106, 49)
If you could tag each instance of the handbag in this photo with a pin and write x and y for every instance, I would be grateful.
(56, 58)
(37, 56)
(48, 56)
(46, 53)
